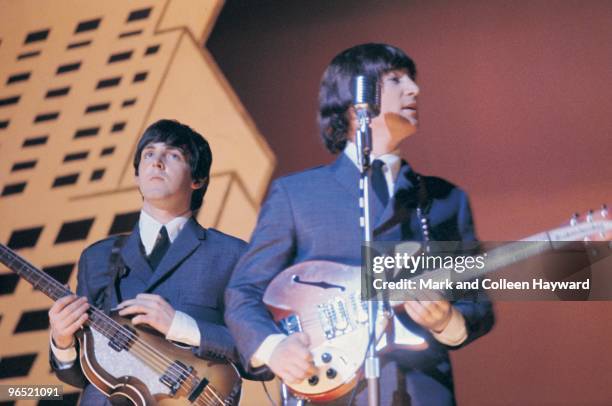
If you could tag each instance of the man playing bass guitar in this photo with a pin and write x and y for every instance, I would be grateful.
(172, 271)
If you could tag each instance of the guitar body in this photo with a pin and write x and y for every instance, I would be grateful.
(323, 299)
(123, 375)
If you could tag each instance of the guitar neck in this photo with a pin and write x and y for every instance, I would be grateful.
(510, 253)
(55, 290)
(505, 255)
(536, 244)
(37, 278)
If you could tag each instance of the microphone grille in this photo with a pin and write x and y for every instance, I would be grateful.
(366, 93)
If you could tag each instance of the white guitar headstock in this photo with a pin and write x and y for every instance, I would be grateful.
(595, 225)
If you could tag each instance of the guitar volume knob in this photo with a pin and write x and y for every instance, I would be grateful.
(313, 380)
(331, 373)
(326, 357)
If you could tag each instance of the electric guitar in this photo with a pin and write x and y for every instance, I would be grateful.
(323, 299)
(137, 363)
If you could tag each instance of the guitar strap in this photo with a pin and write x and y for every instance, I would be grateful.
(423, 195)
(424, 204)
(117, 270)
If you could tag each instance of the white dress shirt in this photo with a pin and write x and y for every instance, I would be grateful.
(455, 332)
(183, 328)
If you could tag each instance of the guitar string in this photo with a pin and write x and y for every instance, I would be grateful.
(166, 364)
(158, 365)
(312, 318)
(161, 359)
(167, 368)
(152, 357)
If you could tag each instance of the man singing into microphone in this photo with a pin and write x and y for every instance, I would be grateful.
(314, 215)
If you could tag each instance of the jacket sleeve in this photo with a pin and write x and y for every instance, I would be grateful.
(271, 250)
(216, 341)
(477, 309)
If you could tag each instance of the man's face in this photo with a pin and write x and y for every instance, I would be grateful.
(398, 106)
(164, 177)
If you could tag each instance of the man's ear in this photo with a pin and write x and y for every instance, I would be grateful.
(351, 115)
(199, 183)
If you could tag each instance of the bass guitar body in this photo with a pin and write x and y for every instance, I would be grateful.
(169, 374)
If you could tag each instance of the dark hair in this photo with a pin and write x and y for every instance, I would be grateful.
(335, 92)
(193, 145)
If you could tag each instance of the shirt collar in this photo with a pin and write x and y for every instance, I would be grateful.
(391, 159)
(149, 229)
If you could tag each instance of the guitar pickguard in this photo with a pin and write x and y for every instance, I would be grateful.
(123, 364)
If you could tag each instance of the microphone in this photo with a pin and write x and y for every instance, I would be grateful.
(366, 94)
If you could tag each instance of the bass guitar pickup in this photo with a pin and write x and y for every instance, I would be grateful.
(176, 374)
(121, 339)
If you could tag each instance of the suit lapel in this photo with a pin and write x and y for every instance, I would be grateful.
(184, 245)
(134, 259)
(347, 174)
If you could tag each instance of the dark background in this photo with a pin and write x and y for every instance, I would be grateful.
(515, 107)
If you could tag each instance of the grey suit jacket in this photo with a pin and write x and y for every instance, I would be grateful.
(313, 215)
(192, 277)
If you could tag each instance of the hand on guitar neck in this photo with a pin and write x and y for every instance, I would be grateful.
(66, 317)
(291, 360)
(433, 314)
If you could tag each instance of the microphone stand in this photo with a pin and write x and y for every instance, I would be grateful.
(363, 138)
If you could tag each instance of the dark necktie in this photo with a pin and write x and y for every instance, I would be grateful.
(159, 250)
(379, 183)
